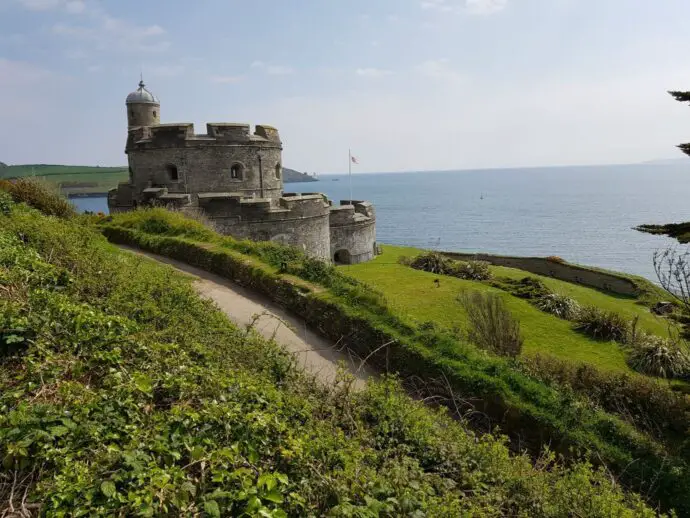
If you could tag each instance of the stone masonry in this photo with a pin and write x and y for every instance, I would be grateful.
(234, 177)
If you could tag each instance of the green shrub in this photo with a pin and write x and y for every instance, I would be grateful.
(6, 203)
(433, 262)
(529, 288)
(492, 327)
(40, 195)
(471, 270)
(602, 325)
(660, 357)
(559, 305)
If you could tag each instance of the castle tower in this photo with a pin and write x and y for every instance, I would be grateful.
(143, 108)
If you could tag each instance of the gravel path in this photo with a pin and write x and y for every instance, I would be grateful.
(244, 307)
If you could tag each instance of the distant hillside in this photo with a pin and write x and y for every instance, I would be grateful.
(84, 180)
(292, 176)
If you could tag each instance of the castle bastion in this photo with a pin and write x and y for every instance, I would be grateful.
(234, 177)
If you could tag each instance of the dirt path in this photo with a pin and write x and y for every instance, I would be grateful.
(244, 307)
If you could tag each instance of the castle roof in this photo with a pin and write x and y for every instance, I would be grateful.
(142, 96)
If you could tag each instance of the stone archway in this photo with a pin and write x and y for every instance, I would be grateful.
(342, 256)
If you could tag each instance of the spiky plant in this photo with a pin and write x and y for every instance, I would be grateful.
(559, 305)
(602, 325)
(660, 357)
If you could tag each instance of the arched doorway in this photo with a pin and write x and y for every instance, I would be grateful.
(341, 256)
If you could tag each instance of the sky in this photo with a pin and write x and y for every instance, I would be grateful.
(406, 84)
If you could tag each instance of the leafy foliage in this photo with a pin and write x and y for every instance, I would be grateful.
(39, 195)
(133, 396)
(602, 325)
(434, 262)
(492, 327)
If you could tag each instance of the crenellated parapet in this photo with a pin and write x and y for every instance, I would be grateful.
(181, 134)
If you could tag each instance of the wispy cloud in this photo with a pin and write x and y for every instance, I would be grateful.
(480, 7)
(226, 79)
(273, 70)
(441, 70)
(373, 72)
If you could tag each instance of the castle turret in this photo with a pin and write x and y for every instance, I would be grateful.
(143, 108)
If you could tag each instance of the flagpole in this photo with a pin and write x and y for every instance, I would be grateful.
(349, 163)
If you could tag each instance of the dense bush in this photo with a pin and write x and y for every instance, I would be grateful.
(133, 396)
(602, 325)
(559, 305)
(492, 327)
(434, 262)
(472, 270)
(40, 195)
(660, 357)
(529, 288)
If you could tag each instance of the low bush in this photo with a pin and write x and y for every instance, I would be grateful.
(40, 195)
(433, 262)
(660, 357)
(555, 259)
(492, 327)
(558, 305)
(602, 325)
(529, 288)
(471, 270)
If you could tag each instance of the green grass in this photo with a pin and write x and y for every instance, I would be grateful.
(73, 179)
(414, 295)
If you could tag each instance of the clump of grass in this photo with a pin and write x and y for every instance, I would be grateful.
(433, 262)
(602, 325)
(660, 357)
(492, 326)
(40, 195)
(559, 305)
(472, 270)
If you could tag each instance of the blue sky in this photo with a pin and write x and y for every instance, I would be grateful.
(408, 84)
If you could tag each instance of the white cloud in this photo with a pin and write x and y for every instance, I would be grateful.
(226, 79)
(440, 70)
(273, 70)
(373, 72)
(464, 6)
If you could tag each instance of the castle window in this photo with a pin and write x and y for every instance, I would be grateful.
(172, 172)
(236, 171)
(279, 170)
(154, 114)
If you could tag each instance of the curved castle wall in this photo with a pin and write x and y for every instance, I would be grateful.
(353, 232)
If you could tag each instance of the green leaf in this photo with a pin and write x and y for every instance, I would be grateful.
(273, 496)
(282, 478)
(197, 452)
(108, 488)
(59, 431)
(266, 480)
(212, 508)
(143, 382)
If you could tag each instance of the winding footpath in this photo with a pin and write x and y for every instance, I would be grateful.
(313, 353)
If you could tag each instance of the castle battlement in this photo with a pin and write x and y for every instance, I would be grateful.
(217, 133)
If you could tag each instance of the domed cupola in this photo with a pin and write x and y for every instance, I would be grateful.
(143, 108)
(142, 95)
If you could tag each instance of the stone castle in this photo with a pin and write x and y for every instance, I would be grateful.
(234, 177)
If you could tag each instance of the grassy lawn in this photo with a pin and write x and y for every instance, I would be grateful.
(415, 296)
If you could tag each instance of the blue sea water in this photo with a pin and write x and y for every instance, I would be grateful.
(583, 214)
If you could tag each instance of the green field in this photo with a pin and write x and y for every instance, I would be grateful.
(72, 179)
(414, 295)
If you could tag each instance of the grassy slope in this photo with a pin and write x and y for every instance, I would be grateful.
(133, 396)
(414, 294)
(93, 179)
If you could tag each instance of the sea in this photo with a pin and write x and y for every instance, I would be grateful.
(583, 214)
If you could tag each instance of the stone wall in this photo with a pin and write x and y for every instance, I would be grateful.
(143, 114)
(353, 232)
(299, 221)
(563, 271)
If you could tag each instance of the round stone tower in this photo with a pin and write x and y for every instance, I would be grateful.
(143, 108)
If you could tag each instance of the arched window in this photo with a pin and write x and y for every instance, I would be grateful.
(236, 171)
(279, 170)
(172, 172)
(154, 114)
